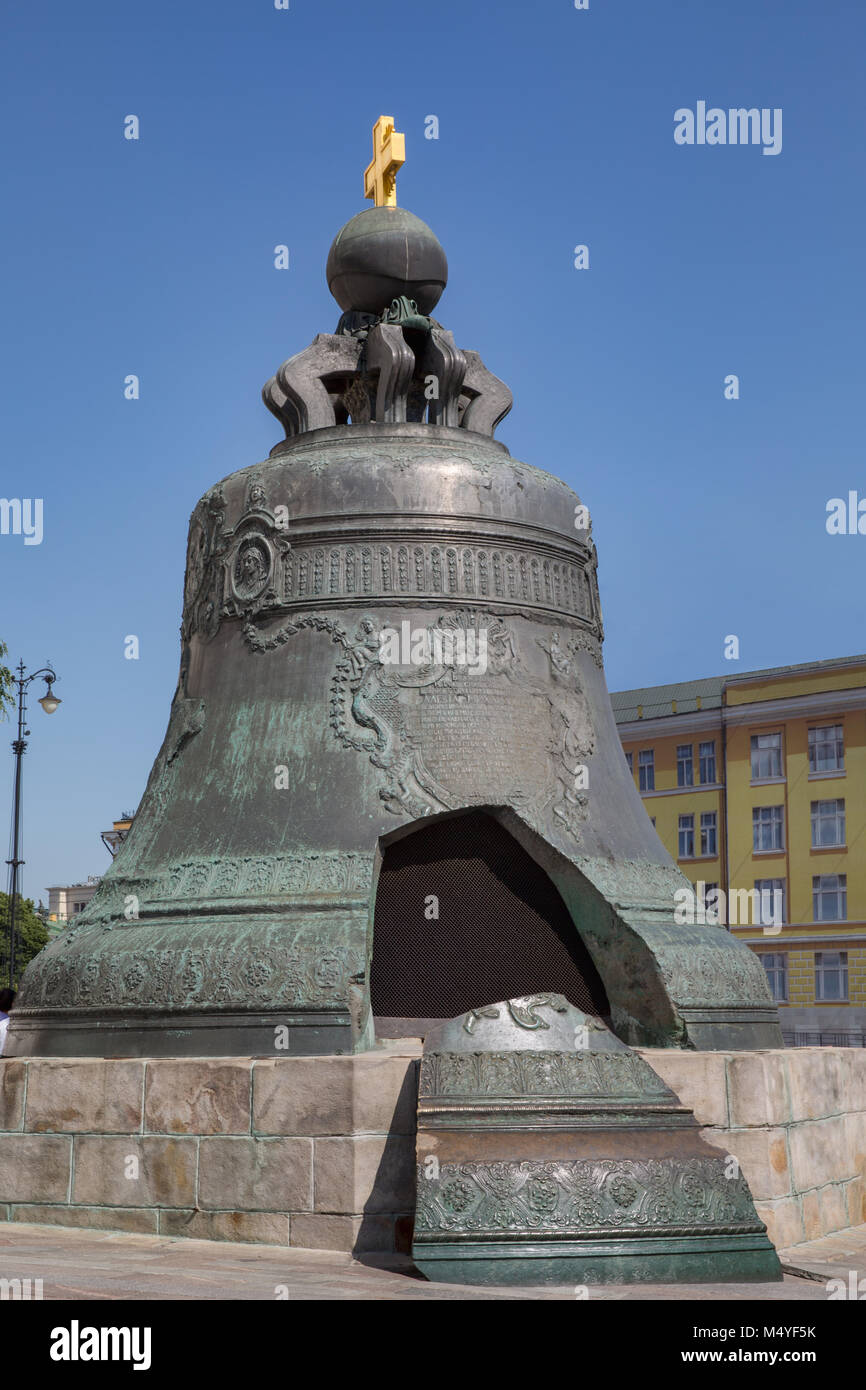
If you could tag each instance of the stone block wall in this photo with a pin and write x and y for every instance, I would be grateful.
(317, 1152)
(796, 1121)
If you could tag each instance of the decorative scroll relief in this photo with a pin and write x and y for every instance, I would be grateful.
(232, 570)
(667, 1195)
(523, 1011)
(297, 873)
(563, 658)
(713, 977)
(303, 873)
(449, 736)
(252, 568)
(432, 570)
(613, 1075)
(203, 585)
(251, 974)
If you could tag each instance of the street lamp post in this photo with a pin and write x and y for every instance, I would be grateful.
(49, 703)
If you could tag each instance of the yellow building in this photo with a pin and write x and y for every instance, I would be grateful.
(756, 784)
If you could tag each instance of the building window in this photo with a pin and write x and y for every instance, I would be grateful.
(776, 965)
(711, 897)
(653, 822)
(708, 834)
(646, 770)
(769, 901)
(828, 823)
(766, 829)
(831, 975)
(629, 757)
(830, 897)
(826, 749)
(685, 765)
(686, 848)
(766, 756)
(707, 755)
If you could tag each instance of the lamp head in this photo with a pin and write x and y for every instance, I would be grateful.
(49, 701)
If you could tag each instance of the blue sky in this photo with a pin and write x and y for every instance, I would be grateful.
(556, 127)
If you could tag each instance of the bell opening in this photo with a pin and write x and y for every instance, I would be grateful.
(464, 916)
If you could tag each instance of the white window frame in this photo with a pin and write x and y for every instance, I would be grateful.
(646, 769)
(685, 764)
(761, 751)
(824, 887)
(687, 830)
(772, 887)
(705, 760)
(775, 964)
(831, 963)
(759, 819)
(711, 897)
(836, 735)
(823, 817)
(709, 826)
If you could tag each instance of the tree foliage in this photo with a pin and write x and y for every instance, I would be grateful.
(7, 684)
(31, 935)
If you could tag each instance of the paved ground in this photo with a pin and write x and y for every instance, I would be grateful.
(99, 1265)
(832, 1257)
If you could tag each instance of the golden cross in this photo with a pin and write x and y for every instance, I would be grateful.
(389, 153)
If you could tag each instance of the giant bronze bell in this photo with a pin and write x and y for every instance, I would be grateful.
(391, 786)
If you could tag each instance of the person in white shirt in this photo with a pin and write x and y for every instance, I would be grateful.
(7, 999)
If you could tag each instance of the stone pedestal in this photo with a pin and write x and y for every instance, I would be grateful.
(314, 1152)
(796, 1120)
(319, 1152)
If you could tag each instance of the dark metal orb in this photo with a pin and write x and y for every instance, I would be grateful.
(383, 253)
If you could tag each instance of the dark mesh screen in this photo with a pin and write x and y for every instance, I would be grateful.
(503, 930)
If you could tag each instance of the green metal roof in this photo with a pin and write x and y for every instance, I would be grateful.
(656, 700)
